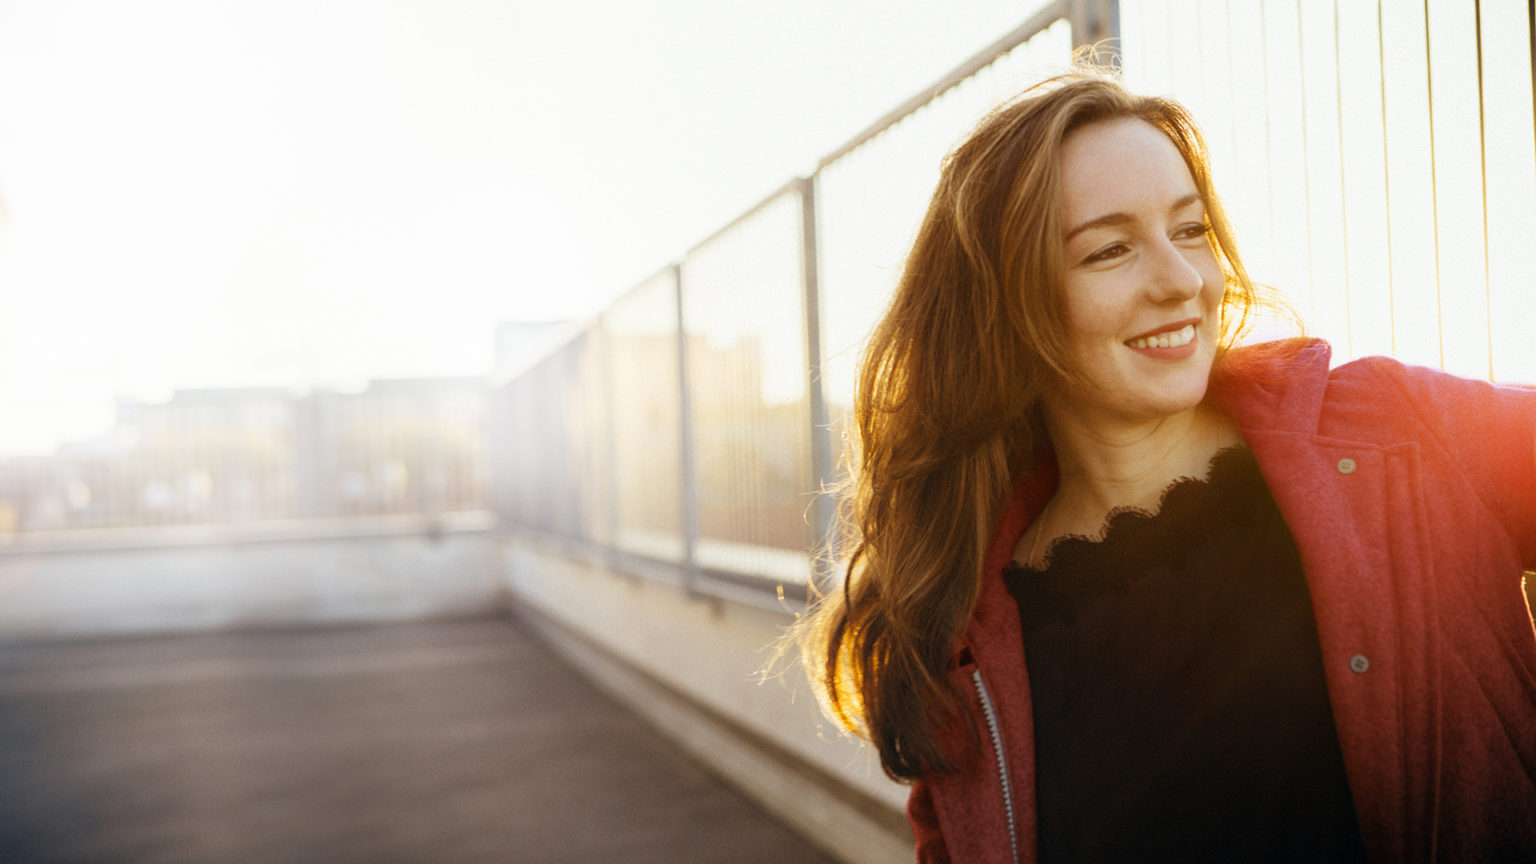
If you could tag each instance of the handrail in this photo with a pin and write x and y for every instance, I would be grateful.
(1043, 18)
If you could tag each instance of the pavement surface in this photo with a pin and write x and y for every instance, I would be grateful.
(448, 741)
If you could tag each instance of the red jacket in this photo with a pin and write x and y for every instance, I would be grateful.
(1412, 497)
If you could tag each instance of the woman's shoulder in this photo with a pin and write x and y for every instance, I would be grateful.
(1302, 360)
(1272, 384)
(1276, 366)
(1292, 383)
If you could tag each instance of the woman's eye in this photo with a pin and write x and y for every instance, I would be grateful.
(1192, 230)
(1113, 250)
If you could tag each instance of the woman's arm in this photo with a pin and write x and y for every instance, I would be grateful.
(1489, 430)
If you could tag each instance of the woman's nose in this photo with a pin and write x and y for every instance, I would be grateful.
(1174, 276)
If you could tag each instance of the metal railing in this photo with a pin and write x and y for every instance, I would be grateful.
(758, 385)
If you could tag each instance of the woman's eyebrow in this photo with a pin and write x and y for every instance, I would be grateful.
(1100, 222)
(1191, 198)
(1122, 218)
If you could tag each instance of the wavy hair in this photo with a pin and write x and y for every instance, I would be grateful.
(946, 408)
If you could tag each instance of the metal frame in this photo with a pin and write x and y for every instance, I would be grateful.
(1093, 21)
(823, 448)
(690, 496)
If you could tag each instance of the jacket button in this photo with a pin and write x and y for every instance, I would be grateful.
(1346, 466)
(1359, 664)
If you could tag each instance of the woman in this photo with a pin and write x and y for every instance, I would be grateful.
(1270, 611)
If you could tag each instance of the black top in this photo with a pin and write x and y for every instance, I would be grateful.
(1179, 702)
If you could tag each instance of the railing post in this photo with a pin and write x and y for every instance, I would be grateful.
(603, 345)
(690, 495)
(823, 463)
(1094, 21)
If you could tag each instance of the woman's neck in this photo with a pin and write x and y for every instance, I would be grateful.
(1105, 466)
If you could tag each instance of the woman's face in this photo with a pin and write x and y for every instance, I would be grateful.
(1142, 285)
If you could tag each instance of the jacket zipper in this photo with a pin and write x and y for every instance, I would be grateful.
(990, 711)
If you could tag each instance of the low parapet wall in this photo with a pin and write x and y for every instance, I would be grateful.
(269, 574)
(692, 664)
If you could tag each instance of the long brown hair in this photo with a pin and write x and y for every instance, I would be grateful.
(946, 408)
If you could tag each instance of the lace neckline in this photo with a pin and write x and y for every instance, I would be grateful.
(1185, 513)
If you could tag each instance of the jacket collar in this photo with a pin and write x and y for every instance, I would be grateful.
(1277, 386)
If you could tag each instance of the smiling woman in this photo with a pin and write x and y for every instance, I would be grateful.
(1241, 579)
(1141, 274)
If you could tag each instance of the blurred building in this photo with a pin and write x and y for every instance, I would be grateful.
(226, 455)
(401, 446)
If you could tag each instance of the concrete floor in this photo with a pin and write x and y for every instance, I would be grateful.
(460, 741)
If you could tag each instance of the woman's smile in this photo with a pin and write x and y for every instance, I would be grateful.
(1159, 343)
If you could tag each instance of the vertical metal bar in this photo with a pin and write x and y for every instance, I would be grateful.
(1482, 152)
(610, 432)
(1306, 161)
(1199, 63)
(1530, 26)
(1095, 21)
(1434, 184)
(1231, 77)
(1338, 101)
(1269, 135)
(1386, 182)
(1112, 23)
(685, 428)
(822, 462)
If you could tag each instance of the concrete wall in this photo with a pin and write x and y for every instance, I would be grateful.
(692, 665)
(169, 579)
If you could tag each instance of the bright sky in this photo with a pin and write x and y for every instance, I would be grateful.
(214, 193)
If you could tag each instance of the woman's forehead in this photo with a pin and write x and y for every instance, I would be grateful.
(1124, 166)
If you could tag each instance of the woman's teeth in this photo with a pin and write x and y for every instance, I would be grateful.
(1174, 339)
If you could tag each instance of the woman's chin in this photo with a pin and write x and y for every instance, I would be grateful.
(1128, 407)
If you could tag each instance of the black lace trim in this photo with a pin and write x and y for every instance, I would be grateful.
(1191, 512)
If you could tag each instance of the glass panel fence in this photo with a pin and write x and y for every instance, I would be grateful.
(871, 201)
(641, 329)
(744, 343)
